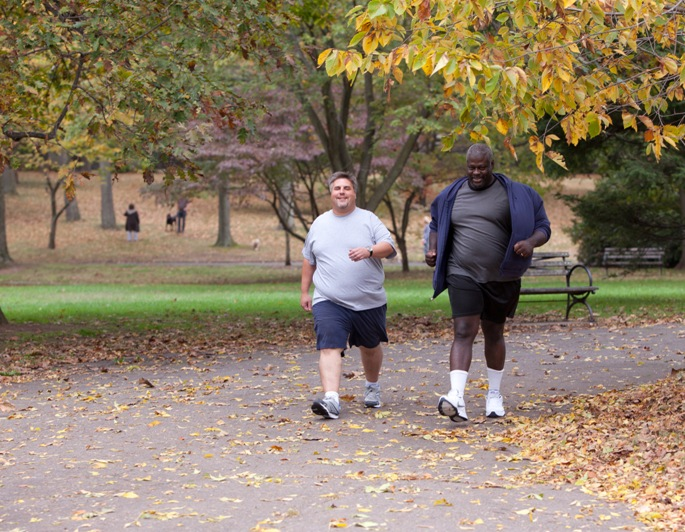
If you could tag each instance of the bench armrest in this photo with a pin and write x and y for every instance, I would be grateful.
(580, 266)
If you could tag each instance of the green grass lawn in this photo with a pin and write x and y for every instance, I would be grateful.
(228, 292)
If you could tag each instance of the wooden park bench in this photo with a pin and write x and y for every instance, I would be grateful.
(556, 263)
(630, 258)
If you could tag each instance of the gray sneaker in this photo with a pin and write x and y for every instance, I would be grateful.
(326, 407)
(372, 396)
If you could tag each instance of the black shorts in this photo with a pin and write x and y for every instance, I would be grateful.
(493, 301)
(335, 326)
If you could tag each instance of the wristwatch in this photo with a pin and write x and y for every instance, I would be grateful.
(370, 250)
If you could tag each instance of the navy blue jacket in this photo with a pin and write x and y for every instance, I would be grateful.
(527, 216)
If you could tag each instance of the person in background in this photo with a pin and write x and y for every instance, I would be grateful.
(426, 233)
(483, 230)
(342, 258)
(132, 223)
(181, 215)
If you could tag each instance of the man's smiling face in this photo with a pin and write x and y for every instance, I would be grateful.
(479, 171)
(343, 196)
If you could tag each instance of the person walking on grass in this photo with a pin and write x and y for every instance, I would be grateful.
(342, 258)
(181, 214)
(483, 230)
(132, 223)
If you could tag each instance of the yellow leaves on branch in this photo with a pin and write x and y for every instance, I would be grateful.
(507, 66)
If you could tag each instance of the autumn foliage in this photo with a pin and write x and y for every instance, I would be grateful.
(552, 69)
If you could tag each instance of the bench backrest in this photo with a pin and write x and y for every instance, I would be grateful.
(633, 257)
(549, 263)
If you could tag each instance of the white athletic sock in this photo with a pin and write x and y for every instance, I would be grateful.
(458, 380)
(334, 396)
(494, 380)
(373, 384)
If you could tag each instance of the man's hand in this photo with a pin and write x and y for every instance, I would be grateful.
(523, 248)
(306, 302)
(357, 254)
(431, 257)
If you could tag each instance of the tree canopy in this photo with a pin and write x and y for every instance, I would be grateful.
(547, 69)
(130, 71)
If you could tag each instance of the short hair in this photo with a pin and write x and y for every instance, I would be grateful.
(343, 175)
(480, 150)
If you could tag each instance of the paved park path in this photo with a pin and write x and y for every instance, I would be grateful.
(221, 442)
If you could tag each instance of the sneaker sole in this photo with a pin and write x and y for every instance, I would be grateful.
(447, 409)
(321, 410)
(372, 405)
(494, 415)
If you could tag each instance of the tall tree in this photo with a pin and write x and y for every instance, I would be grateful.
(4, 250)
(107, 216)
(505, 66)
(348, 118)
(127, 70)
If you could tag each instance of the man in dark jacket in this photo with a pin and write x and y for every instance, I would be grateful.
(481, 241)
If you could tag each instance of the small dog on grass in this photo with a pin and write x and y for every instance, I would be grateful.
(170, 222)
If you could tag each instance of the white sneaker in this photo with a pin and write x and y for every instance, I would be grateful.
(493, 406)
(453, 407)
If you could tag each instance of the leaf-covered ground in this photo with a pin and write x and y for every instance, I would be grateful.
(621, 445)
(627, 446)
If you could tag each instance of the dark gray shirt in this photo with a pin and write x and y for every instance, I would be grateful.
(481, 229)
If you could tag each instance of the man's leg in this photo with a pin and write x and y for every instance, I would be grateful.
(452, 405)
(495, 347)
(372, 360)
(465, 331)
(495, 356)
(330, 369)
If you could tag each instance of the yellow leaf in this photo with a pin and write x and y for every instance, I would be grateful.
(127, 495)
(440, 64)
(629, 120)
(547, 79)
(502, 126)
(442, 502)
(369, 44)
(323, 55)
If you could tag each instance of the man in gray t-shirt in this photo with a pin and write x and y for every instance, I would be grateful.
(342, 258)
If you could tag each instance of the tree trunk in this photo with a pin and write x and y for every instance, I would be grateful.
(5, 258)
(55, 213)
(288, 260)
(107, 216)
(9, 180)
(73, 213)
(224, 238)
(3, 319)
(681, 262)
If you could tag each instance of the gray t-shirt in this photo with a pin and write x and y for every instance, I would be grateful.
(481, 230)
(354, 285)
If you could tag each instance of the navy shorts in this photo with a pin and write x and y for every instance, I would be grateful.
(335, 326)
(494, 301)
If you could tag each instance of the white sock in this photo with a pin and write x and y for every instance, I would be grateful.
(334, 396)
(494, 380)
(373, 384)
(458, 380)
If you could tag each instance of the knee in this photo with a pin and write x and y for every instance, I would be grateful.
(464, 332)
